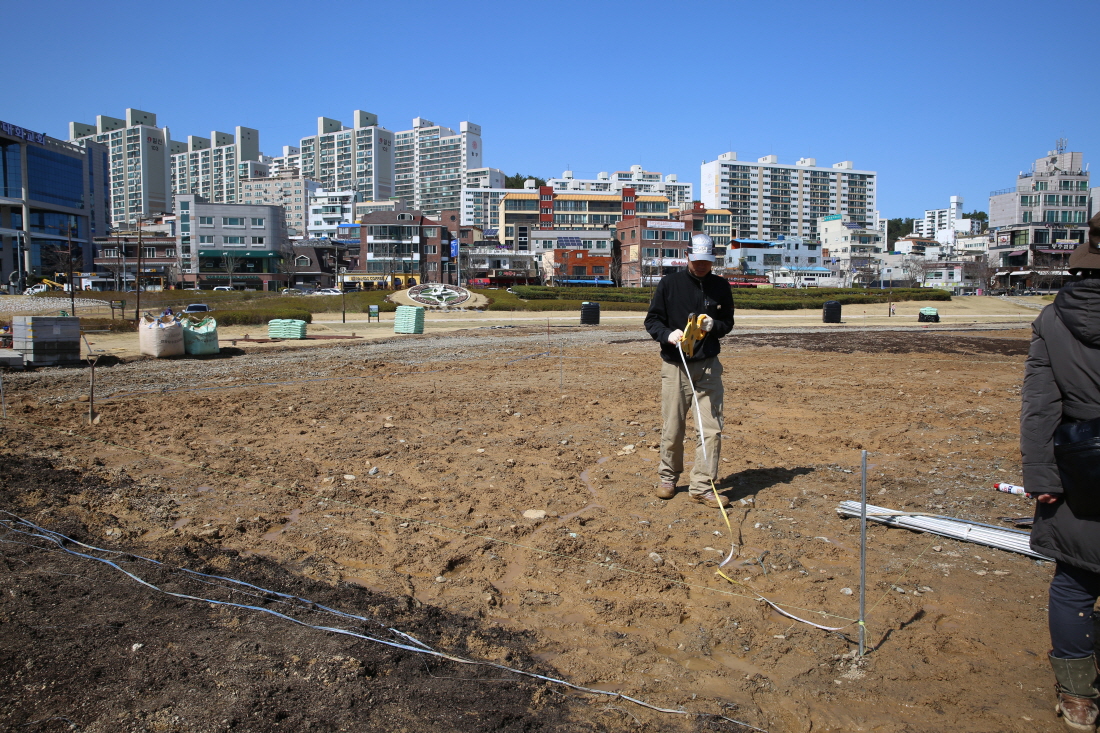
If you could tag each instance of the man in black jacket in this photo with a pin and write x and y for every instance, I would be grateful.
(1060, 443)
(691, 291)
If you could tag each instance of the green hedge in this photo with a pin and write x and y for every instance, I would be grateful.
(540, 298)
(260, 317)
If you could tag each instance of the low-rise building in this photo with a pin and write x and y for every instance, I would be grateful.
(400, 249)
(124, 253)
(231, 244)
(328, 210)
(648, 249)
(850, 250)
(643, 182)
(316, 265)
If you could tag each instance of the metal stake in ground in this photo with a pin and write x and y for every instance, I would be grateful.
(3, 399)
(863, 555)
(561, 368)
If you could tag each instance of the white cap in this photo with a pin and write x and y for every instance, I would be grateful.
(702, 248)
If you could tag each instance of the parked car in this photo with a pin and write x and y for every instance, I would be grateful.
(223, 288)
(291, 291)
(197, 308)
(327, 291)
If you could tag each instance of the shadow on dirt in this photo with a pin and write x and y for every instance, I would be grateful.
(752, 481)
(119, 654)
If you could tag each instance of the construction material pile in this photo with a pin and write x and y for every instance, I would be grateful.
(46, 340)
(160, 337)
(286, 328)
(200, 337)
(409, 319)
(1013, 540)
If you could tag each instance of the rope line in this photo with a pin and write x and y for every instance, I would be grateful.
(421, 648)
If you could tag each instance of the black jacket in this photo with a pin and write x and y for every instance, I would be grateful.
(1061, 384)
(678, 296)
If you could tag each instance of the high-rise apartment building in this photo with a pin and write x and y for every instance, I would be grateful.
(945, 220)
(679, 195)
(357, 158)
(290, 159)
(481, 195)
(431, 164)
(50, 190)
(141, 184)
(767, 198)
(213, 167)
(289, 190)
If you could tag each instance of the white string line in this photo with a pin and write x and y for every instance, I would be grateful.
(58, 539)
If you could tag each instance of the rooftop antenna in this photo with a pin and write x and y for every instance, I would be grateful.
(1060, 145)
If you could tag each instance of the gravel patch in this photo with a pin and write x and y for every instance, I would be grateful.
(33, 305)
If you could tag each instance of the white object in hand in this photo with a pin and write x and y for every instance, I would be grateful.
(675, 336)
(708, 323)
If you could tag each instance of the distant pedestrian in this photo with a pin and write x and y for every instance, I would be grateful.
(1060, 443)
(694, 290)
(891, 309)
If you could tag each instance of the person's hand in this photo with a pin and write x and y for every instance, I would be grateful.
(1048, 498)
(708, 323)
(675, 336)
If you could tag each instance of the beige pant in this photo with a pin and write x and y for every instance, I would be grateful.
(677, 411)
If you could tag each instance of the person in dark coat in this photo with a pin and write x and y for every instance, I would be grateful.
(1060, 444)
(694, 290)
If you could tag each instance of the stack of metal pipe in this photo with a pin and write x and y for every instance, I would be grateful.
(1013, 540)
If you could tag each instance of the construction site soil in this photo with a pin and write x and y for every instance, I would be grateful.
(490, 493)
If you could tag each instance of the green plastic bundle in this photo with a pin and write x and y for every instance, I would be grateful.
(286, 328)
(408, 319)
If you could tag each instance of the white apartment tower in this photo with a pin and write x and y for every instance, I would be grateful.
(214, 167)
(431, 164)
(332, 214)
(679, 195)
(357, 158)
(139, 165)
(949, 219)
(290, 160)
(767, 198)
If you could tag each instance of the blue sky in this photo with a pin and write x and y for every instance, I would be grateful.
(941, 98)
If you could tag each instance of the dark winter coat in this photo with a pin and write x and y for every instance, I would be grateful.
(678, 296)
(1061, 384)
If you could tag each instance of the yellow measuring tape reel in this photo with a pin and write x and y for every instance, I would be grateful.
(693, 333)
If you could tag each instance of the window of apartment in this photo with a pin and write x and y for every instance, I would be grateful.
(650, 234)
(1027, 217)
(232, 240)
(233, 221)
(206, 239)
(206, 221)
(598, 270)
(548, 244)
(811, 260)
(170, 252)
(257, 240)
(301, 261)
(649, 251)
(148, 252)
(185, 205)
(431, 249)
(1039, 186)
(431, 231)
(257, 222)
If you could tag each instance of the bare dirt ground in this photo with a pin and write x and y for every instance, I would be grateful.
(390, 480)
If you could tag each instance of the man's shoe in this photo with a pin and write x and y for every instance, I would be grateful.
(711, 499)
(1078, 713)
(666, 489)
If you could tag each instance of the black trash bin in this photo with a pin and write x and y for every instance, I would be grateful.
(830, 313)
(590, 314)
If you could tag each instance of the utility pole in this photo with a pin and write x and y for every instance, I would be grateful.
(72, 287)
(137, 276)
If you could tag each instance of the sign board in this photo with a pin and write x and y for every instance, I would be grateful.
(662, 224)
(23, 133)
(454, 248)
(832, 217)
